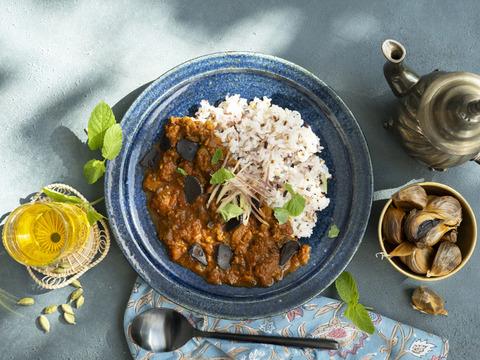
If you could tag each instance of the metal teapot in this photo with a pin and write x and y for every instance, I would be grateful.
(438, 117)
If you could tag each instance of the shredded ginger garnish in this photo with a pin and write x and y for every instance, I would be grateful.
(247, 190)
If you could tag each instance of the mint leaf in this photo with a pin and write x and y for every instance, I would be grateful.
(292, 207)
(101, 119)
(347, 288)
(59, 197)
(103, 132)
(362, 319)
(350, 311)
(112, 142)
(230, 211)
(93, 170)
(289, 189)
(333, 232)
(281, 214)
(217, 156)
(93, 216)
(220, 176)
(295, 205)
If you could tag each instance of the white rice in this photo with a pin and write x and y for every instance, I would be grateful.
(268, 136)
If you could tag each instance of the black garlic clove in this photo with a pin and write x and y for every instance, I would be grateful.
(224, 256)
(187, 149)
(234, 223)
(426, 226)
(287, 251)
(150, 160)
(193, 188)
(197, 253)
(165, 143)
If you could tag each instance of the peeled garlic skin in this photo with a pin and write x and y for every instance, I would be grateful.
(428, 301)
(410, 197)
(393, 225)
(448, 257)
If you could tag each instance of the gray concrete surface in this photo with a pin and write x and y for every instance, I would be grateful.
(58, 59)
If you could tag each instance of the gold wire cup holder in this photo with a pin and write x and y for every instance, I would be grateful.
(94, 250)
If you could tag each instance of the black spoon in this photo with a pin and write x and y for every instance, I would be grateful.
(163, 330)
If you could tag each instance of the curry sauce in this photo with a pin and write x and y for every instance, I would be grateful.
(196, 227)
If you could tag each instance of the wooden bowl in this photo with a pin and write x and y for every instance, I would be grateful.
(467, 233)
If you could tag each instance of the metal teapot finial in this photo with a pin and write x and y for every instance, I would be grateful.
(438, 118)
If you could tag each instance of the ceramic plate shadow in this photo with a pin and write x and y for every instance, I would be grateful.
(178, 93)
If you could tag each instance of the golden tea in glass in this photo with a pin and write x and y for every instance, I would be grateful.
(38, 234)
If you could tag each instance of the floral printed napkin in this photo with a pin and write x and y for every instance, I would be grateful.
(321, 317)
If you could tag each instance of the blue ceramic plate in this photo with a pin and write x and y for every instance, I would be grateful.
(212, 77)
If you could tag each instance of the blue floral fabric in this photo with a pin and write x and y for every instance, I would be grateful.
(321, 317)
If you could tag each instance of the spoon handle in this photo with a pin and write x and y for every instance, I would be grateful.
(273, 340)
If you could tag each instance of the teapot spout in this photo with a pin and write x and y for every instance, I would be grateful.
(400, 78)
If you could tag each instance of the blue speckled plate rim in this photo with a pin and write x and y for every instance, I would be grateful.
(362, 171)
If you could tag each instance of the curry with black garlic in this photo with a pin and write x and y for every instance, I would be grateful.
(255, 252)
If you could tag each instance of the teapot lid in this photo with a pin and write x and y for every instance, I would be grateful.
(449, 113)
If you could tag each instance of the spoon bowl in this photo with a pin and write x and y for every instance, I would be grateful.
(164, 330)
(161, 330)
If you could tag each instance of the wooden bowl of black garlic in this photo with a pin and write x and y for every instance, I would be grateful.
(427, 231)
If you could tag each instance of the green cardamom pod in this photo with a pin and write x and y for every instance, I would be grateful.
(54, 263)
(59, 270)
(65, 265)
(67, 309)
(80, 301)
(76, 284)
(50, 309)
(69, 318)
(26, 302)
(76, 294)
(44, 323)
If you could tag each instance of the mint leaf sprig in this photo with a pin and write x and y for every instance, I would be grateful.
(220, 176)
(347, 289)
(103, 132)
(292, 207)
(92, 215)
(334, 231)
(230, 211)
(217, 156)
